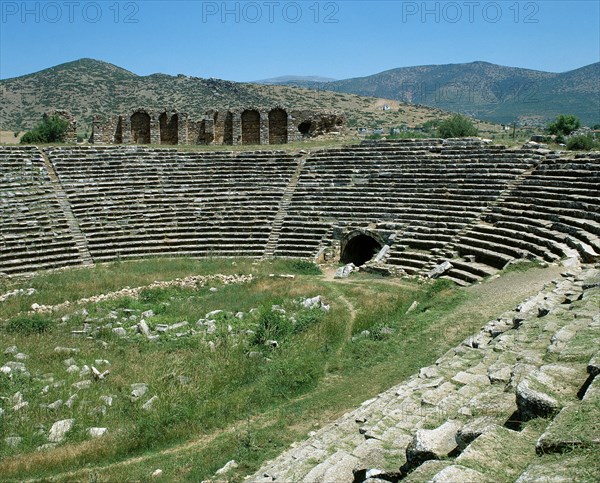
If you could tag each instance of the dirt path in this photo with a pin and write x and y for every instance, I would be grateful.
(496, 293)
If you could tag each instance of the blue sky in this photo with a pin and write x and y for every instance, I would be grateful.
(250, 40)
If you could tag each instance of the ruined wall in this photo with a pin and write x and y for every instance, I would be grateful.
(278, 126)
(249, 126)
(169, 128)
(140, 128)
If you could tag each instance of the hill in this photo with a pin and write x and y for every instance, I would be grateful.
(294, 78)
(89, 87)
(484, 90)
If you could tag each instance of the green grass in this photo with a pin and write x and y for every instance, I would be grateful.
(221, 395)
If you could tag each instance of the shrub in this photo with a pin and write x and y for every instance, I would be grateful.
(271, 325)
(456, 127)
(564, 125)
(29, 324)
(582, 143)
(304, 267)
(307, 318)
(50, 130)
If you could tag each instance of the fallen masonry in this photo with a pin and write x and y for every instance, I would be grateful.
(464, 417)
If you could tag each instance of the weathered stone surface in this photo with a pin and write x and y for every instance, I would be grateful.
(459, 474)
(59, 429)
(533, 403)
(431, 444)
(138, 390)
(473, 429)
(440, 269)
(345, 271)
(97, 432)
(149, 403)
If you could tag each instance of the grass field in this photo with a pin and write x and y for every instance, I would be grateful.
(239, 384)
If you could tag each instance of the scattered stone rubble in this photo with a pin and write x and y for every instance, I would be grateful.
(455, 419)
(194, 281)
(81, 375)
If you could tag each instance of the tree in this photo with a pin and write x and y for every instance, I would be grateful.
(582, 143)
(456, 127)
(50, 130)
(564, 125)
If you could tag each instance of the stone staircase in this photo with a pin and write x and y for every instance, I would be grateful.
(283, 209)
(470, 416)
(61, 196)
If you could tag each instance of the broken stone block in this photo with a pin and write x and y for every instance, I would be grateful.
(230, 465)
(473, 429)
(149, 403)
(533, 403)
(97, 432)
(345, 271)
(59, 429)
(432, 444)
(143, 328)
(138, 390)
(439, 270)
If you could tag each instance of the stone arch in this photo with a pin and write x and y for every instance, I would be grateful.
(118, 138)
(305, 128)
(359, 247)
(228, 128)
(278, 126)
(250, 127)
(140, 128)
(169, 128)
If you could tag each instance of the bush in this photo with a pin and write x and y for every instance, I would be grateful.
(50, 130)
(29, 324)
(271, 325)
(582, 143)
(564, 125)
(304, 267)
(456, 127)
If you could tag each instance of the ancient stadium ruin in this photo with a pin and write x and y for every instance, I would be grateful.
(241, 126)
(400, 207)
(462, 210)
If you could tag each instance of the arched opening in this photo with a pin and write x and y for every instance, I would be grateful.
(140, 128)
(360, 249)
(250, 127)
(118, 139)
(304, 128)
(278, 126)
(228, 129)
(168, 128)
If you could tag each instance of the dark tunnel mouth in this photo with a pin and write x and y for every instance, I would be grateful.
(360, 249)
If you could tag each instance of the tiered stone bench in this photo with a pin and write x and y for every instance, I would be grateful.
(34, 233)
(551, 213)
(478, 205)
(426, 190)
(462, 418)
(139, 202)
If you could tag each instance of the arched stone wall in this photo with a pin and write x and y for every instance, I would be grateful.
(228, 128)
(359, 247)
(278, 126)
(118, 138)
(140, 128)
(169, 128)
(250, 127)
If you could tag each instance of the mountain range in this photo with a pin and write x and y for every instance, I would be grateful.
(89, 87)
(483, 90)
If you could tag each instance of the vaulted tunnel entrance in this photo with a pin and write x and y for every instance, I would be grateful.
(360, 249)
